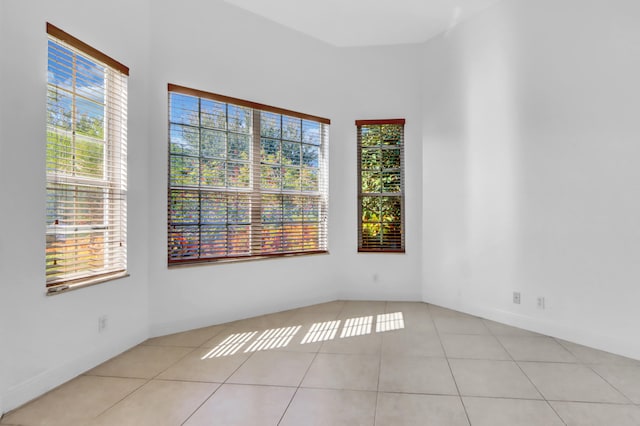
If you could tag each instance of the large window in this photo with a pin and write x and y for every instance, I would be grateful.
(245, 179)
(86, 164)
(381, 185)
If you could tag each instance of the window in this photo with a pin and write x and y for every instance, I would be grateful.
(86, 164)
(245, 180)
(381, 185)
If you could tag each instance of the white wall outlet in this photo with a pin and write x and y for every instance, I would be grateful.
(516, 297)
(102, 323)
(541, 304)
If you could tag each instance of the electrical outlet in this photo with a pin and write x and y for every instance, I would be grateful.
(516, 297)
(102, 323)
(541, 304)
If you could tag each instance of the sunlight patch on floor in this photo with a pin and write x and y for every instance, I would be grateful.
(274, 338)
(230, 345)
(357, 326)
(321, 331)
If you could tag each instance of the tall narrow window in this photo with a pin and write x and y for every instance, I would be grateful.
(86, 164)
(245, 179)
(381, 185)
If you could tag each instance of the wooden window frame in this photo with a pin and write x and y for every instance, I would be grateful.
(64, 266)
(254, 192)
(386, 245)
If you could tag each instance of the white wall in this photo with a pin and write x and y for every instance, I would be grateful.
(530, 174)
(524, 179)
(3, 266)
(212, 46)
(226, 50)
(48, 340)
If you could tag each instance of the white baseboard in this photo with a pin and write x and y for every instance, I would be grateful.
(623, 347)
(34, 387)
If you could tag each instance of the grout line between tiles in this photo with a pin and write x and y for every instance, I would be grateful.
(200, 406)
(341, 312)
(284, 412)
(380, 350)
(148, 380)
(590, 366)
(455, 382)
(528, 378)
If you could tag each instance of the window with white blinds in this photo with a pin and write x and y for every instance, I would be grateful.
(381, 185)
(86, 161)
(246, 180)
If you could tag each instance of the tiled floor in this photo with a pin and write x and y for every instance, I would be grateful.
(349, 363)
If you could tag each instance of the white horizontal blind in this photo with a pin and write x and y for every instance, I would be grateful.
(245, 180)
(86, 164)
(381, 185)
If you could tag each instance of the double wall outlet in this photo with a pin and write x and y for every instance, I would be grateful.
(516, 297)
(541, 304)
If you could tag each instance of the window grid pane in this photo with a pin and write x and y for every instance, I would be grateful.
(86, 166)
(381, 186)
(243, 182)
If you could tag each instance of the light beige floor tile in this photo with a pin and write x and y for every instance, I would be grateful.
(596, 414)
(263, 322)
(328, 307)
(533, 348)
(625, 378)
(316, 327)
(328, 407)
(570, 382)
(202, 366)
(191, 338)
(337, 387)
(158, 403)
(416, 315)
(595, 356)
(510, 412)
(343, 371)
(273, 368)
(366, 344)
(460, 325)
(296, 345)
(408, 307)
(75, 402)
(416, 375)
(418, 321)
(407, 409)
(440, 312)
(473, 346)
(500, 329)
(141, 362)
(356, 309)
(240, 337)
(492, 378)
(307, 319)
(243, 405)
(412, 343)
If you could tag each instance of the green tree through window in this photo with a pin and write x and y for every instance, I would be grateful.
(381, 185)
(245, 180)
(86, 164)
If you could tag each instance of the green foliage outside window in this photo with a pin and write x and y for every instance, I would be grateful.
(214, 194)
(381, 190)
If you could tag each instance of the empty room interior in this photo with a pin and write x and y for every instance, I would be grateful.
(421, 213)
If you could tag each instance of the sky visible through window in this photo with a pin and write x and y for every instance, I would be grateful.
(242, 181)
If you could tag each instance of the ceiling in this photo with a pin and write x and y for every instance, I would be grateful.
(367, 22)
